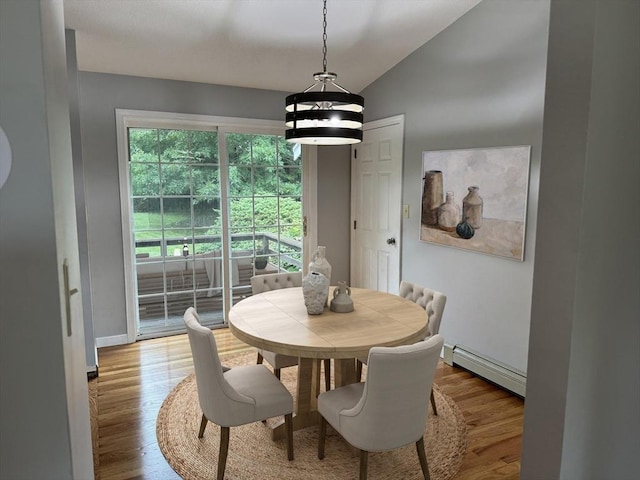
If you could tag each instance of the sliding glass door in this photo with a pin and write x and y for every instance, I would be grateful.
(176, 224)
(208, 207)
(265, 206)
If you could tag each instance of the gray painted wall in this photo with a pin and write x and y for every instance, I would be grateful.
(44, 414)
(334, 208)
(479, 83)
(583, 391)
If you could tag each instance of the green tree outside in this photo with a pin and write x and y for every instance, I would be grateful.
(175, 184)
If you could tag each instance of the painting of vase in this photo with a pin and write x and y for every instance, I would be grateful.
(489, 187)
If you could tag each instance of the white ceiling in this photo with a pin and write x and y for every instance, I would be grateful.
(268, 44)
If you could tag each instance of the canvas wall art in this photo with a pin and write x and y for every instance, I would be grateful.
(476, 199)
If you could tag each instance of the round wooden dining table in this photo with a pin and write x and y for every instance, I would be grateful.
(278, 321)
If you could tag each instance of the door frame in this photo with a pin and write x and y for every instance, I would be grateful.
(383, 122)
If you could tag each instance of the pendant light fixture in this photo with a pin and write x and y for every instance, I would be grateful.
(319, 116)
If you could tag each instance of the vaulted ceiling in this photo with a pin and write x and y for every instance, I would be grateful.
(267, 44)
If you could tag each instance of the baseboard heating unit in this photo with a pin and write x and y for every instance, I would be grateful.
(490, 369)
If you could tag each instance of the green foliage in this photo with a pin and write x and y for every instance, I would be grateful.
(177, 172)
(262, 165)
(266, 211)
(173, 160)
(185, 163)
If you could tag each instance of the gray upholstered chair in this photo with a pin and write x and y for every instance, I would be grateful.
(433, 302)
(389, 410)
(238, 396)
(275, 281)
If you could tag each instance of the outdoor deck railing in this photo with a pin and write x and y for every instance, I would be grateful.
(272, 245)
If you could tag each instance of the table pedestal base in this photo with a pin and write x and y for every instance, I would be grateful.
(307, 391)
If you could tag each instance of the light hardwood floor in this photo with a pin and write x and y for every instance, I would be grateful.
(134, 380)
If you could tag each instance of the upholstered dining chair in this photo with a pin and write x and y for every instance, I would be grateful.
(241, 395)
(275, 281)
(433, 302)
(389, 410)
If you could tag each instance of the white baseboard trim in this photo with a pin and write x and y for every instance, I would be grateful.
(111, 341)
(494, 371)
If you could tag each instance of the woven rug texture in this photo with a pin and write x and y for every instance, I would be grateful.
(253, 455)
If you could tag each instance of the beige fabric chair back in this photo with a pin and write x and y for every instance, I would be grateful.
(275, 281)
(432, 301)
(392, 411)
(219, 401)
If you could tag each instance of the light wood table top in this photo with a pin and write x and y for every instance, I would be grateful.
(278, 321)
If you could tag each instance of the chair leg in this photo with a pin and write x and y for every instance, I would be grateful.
(260, 358)
(327, 374)
(203, 425)
(433, 403)
(321, 437)
(276, 372)
(364, 455)
(359, 370)
(288, 421)
(224, 450)
(423, 458)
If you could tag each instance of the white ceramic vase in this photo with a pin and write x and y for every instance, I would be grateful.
(320, 264)
(315, 289)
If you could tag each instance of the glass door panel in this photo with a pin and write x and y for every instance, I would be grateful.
(175, 189)
(265, 208)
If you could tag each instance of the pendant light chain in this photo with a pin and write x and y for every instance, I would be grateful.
(324, 37)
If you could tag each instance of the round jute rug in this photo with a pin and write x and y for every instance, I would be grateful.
(253, 455)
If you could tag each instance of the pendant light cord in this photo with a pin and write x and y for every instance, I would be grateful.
(324, 37)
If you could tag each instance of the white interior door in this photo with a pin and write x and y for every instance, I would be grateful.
(376, 206)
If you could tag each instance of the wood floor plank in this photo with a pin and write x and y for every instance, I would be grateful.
(135, 379)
